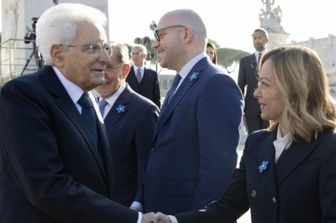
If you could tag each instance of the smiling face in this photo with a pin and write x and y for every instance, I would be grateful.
(116, 74)
(268, 94)
(78, 64)
(169, 45)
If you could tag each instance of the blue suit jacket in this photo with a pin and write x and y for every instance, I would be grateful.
(300, 187)
(194, 149)
(130, 135)
(148, 87)
(50, 170)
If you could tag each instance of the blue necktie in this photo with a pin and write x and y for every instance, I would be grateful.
(172, 90)
(139, 75)
(88, 115)
(102, 105)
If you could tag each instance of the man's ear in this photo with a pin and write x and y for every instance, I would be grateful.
(57, 55)
(126, 69)
(188, 34)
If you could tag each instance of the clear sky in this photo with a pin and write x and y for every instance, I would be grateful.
(229, 22)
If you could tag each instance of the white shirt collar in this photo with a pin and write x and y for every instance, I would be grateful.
(281, 143)
(188, 66)
(113, 98)
(75, 92)
(142, 68)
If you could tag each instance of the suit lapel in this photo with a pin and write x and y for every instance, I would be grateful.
(193, 76)
(292, 157)
(266, 153)
(66, 105)
(116, 112)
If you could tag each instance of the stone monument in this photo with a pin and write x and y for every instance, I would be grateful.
(270, 19)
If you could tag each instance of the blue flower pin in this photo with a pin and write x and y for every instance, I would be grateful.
(194, 76)
(263, 166)
(120, 109)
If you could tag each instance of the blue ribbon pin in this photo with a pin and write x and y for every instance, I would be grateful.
(194, 76)
(263, 166)
(120, 109)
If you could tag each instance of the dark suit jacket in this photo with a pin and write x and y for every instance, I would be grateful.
(148, 87)
(130, 135)
(300, 187)
(194, 149)
(50, 170)
(247, 77)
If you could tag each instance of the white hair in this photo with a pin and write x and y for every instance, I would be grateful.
(58, 25)
(141, 47)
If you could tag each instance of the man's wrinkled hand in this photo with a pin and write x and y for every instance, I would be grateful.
(148, 217)
(161, 218)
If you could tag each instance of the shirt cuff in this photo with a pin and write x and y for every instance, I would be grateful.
(136, 206)
(173, 219)
(139, 217)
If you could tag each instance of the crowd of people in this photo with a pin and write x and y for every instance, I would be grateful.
(70, 155)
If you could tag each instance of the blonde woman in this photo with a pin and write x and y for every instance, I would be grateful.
(288, 172)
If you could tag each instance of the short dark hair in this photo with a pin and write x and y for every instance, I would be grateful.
(261, 30)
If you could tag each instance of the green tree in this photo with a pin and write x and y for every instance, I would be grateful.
(226, 56)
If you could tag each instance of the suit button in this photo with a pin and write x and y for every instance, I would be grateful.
(274, 200)
(254, 194)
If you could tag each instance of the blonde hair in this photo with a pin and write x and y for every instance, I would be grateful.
(302, 80)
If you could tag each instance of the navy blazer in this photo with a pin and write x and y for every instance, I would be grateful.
(130, 134)
(194, 149)
(247, 77)
(50, 169)
(148, 87)
(300, 187)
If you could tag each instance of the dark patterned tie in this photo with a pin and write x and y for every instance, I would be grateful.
(259, 58)
(172, 90)
(88, 115)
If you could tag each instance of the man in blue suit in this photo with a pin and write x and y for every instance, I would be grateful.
(143, 80)
(54, 160)
(194, 148)
(130, 122)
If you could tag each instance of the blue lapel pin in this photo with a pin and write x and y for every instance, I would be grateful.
(120, 109)
(263, 166)
(194, 76)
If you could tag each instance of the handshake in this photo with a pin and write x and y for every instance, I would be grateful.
(157, 218)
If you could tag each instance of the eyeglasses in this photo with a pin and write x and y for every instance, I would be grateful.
(158, 36)
(93, 48)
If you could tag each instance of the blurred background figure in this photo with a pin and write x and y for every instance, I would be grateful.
(248, 79)
(130, 122)
(211, 52)
(141, 79)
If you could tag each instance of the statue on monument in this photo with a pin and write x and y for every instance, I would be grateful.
(270, 19)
